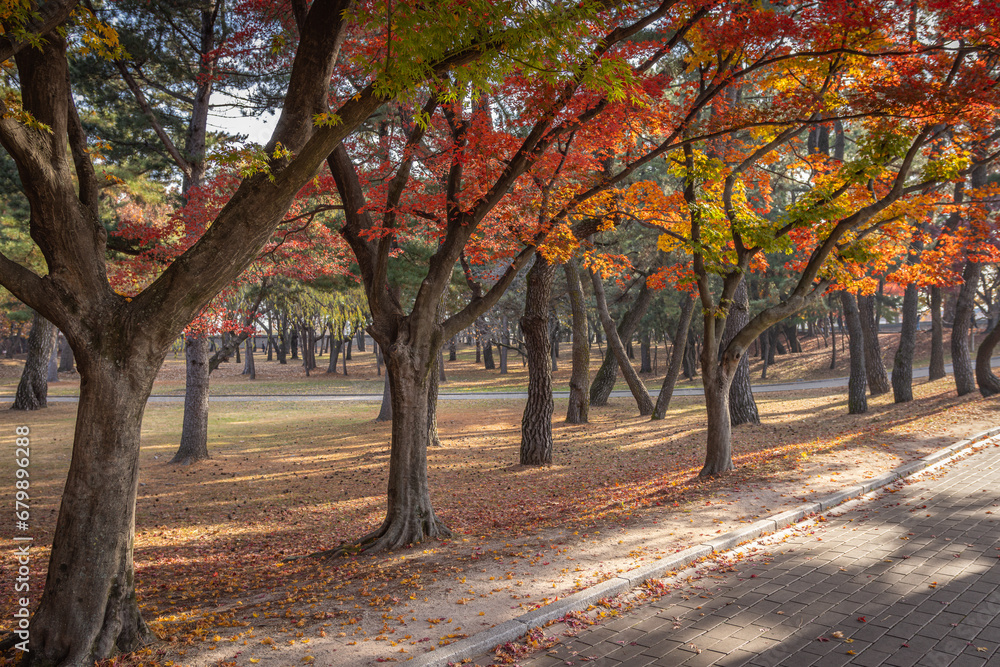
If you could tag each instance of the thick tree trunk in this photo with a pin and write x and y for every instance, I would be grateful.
(642, 398)
(536, 422)
(604, 380)
(578, 410)
(719, 441)
(878, 379)
(792, 334)
(436, 375)
(857, 402)
(488, 362)
(902, 363)
(33, 388)
(742, 406)
(961, 360)
(989, 384)
(453, 349)
(676, 359)
(936, 370)
(607, 374)
(410, 516)
(645, 358)
(89, 608)
(690, 362)
(194, 434)
(53, 366)
(361, 339)
(331, 367)
(249, 368)
(385, 412)
(66, 362)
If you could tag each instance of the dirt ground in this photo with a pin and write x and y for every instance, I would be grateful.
(287, 480)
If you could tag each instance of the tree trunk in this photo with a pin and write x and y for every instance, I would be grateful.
(607, 374)
(53, 367)
(645, 358)
(878, 379)
(833, 343)
(488, 362)
(194, 434)
(410, 516)
(361, 339)
(902, 363)
(578, 410)
(33, 388)
(961, 360)
(857, 402)
(89, 607)
(453, 349)
(792, 334)
(742, 406)
(331, 367)
(989, 384)
(249, 368)
(385, 412)
(436, 375)
(690, 357)
(536, 422)
(553, 344)
(635, 385)
(504, 349)
(295, 344)
(347, 351)
(66, 362)
(936, 370)
(719, 443)
(676, 359)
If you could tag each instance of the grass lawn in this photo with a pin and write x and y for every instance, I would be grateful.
(464, 374)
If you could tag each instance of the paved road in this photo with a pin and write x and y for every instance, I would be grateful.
(830, 383)
(911, 578)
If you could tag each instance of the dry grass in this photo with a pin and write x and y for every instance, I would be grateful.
(290, 478)
(464, 374)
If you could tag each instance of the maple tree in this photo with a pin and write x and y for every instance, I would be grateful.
(830, 228)
(88, 609)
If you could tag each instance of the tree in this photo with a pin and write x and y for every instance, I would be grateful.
(33, 387)
(578, 409)
(833, 220)
(857, 402)
(88, 609)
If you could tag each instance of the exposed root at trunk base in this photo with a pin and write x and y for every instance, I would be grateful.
(188, 459)
(396, 534)
(712, 473)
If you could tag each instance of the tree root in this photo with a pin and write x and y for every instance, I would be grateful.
(389, 536)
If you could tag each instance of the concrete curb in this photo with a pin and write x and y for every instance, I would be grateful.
(581, 600)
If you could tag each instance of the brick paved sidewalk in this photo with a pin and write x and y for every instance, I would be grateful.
(919, 565)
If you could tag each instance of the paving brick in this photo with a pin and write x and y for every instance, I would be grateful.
(823, 586)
